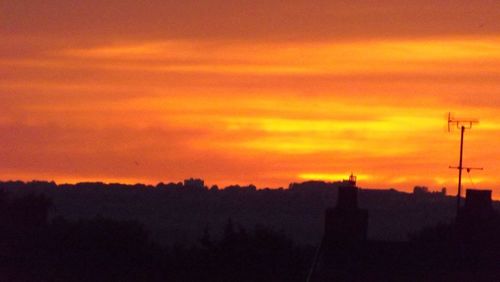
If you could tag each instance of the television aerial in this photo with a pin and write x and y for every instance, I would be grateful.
(462, 124)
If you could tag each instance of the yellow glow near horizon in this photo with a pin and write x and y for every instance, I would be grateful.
(253, 112)
(332, 176)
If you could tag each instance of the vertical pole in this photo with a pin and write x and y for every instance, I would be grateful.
(460, 167)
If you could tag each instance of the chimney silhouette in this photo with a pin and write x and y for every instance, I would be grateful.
(477, 210)
(476, 214)
(477, 200)
(347, 198)
(346, 224)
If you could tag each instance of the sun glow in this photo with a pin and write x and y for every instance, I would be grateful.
(332, 176)
(253, 112)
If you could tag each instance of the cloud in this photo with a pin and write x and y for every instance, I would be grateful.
(247, 91)
(250, 20)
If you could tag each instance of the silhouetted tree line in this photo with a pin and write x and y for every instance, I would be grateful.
(33, 248)
(261, 254)
(178, 213)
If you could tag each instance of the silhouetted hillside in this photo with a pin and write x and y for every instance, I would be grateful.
(178, 213)
(187, 232)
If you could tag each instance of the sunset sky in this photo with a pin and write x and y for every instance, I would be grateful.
(263, 92)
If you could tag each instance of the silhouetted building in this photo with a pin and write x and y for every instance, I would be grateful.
(344, 237)
(346, 222)
(351, 182)
(478, 201)
(467, 250)
(423, 191)
(477, 214)
(477, 210)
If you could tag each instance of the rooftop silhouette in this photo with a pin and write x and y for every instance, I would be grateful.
(467, 249)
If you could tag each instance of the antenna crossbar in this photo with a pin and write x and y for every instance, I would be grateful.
(460, 123)
(467, 168)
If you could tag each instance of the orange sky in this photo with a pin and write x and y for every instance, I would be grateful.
(262, 92)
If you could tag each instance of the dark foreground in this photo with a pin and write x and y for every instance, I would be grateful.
(38, 243)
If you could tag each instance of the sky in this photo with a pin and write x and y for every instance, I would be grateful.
(262, 92)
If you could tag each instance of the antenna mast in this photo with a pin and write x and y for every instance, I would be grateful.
(462, 125)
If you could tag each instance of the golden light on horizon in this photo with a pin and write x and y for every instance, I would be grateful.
(332, 176)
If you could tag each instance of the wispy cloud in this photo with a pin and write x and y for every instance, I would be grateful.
(267, 93)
